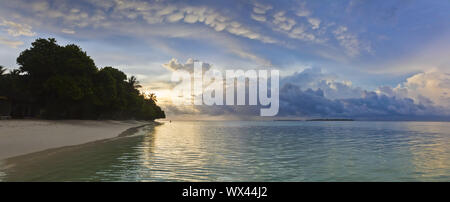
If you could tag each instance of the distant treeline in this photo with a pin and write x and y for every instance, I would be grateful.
(63, 82)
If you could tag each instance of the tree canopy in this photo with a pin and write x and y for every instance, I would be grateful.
(63, 82)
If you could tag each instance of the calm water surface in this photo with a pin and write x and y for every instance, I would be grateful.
(250, 151)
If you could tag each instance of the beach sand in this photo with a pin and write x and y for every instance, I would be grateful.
(19, 137)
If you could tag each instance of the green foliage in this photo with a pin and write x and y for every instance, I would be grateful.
(62, 82)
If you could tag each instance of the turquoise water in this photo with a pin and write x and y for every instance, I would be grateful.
(251, 151)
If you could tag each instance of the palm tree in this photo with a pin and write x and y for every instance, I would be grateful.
(2, 70)
(134, 83)
(152, 96)
(15, 72)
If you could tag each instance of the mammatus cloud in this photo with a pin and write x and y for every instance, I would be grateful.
(261, 8)
(122, 16)
(349, 41)
(298, 24)
(304, 12)
(282, 21)
(155, 13)
(315, 23)
(260, 18)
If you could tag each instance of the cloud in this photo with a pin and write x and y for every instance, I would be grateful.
(315, 22)
(175, 17)
(10, 43)
(68, 31)
(339, 89)
(191, 18)
(282, 21)
(260, 18)
(302, 11)
(16, 29)
(315, 93)
(174, 65)
(295, 28)
(144, 18)
(313, 103)
(310, 103)
(39, 6)
(428, 88)
(300, 32)
(260, 8)
(156, 13)
(331, 86)
(349, 41)
(124, 15)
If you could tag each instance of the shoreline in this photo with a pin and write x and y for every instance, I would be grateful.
(21, 137)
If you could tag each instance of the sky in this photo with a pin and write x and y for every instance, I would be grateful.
(349, 58)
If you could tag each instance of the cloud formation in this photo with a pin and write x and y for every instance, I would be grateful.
(10, 43)
(349, 41)
(299, 25)
(331, 86)
(174, 65)
(16, 29)
(68, 31)
(313, 93)
(313, 103)
(427, 88)
(368, 41)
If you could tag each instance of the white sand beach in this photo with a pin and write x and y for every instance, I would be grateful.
(18, 137)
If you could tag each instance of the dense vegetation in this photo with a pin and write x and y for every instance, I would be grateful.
(63, 82)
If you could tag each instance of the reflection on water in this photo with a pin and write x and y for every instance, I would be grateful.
(250, 151)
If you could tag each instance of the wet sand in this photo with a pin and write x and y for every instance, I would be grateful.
(82, 162)
(19, 137)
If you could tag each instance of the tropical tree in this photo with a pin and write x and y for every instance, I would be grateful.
(14, 72)
(2, 70)
(133, 82)
(62, 82)
(152, 96)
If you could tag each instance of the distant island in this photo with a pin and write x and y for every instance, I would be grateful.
(63, 82)
(314, 120)
(330, 120)
(288, 120)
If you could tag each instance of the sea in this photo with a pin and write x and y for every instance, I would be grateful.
(243, 151)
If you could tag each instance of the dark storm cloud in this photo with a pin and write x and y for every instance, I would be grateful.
(312, 93)
(313, 103)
